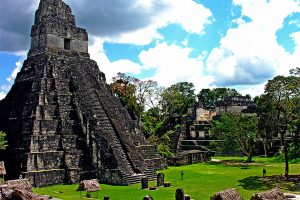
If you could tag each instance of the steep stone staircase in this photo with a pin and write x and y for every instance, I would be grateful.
(113, 131)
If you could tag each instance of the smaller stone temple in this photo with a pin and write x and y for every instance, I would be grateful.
(62, 121)
(191, 143)
(236, 104)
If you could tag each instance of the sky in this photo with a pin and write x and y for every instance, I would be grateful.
(239, 44)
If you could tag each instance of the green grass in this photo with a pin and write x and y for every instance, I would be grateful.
(200, 181)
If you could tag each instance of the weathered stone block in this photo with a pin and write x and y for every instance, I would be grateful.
(144, 182)
(160, 179)
(231, 194)
(179, 195)
(274, 194)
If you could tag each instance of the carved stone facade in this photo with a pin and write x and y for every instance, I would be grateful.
(62, 121)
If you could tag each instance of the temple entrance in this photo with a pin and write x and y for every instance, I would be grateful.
(67, 44)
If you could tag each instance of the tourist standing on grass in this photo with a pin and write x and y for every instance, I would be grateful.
(264, 173)
(181, 174)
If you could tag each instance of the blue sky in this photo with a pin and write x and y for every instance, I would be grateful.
(220, 43)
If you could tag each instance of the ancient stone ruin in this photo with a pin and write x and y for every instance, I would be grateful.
(229, 194)
(19, 190)
(274, 194)
(191, 143)
(62, 121)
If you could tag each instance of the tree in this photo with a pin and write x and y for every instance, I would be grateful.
(135, 94)
(209, 97)
(125, 91)
(143, 92)
(146, 93)
(296, 101)
(237, 131)
(267, 121)
(283, 93)
(162, 120)
(142, 99)
(177, 99)
(3, 142)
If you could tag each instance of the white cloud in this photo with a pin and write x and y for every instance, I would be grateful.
(191, 16)
(111, 68)
(185, 42)
(142, 36)
(174, 64)
(253, 90)
(4, 89)
(295, 22)
(171, 64)
(296, 38)
(250, 54)
(15, 72)
(2, 95)
(130, 21)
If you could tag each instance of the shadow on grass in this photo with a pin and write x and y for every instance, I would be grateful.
(258, 183)
(242, 165)
(245, 167)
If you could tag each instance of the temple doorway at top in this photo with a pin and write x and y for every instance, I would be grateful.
(67, 44)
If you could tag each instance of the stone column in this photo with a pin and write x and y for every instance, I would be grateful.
(160, 179)
(144, 182)
(179, 194)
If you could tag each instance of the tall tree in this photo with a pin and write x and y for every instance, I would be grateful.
(283, 92)
(177, 99)
(237, 131)
(147, 93)
(137, 95)
(267, 121)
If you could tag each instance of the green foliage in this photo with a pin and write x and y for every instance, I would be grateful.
(162, 143)
(3, 142)
(238, 132)
(267, 124)
(125, 91)
(162, 121)
(214, 146)
(152, 122)
(280, 111)
(293, 154)
(209, 97)
(177, 99)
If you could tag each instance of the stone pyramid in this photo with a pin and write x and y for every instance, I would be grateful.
(62, 121)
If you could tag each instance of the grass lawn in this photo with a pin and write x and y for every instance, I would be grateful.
(200, 181)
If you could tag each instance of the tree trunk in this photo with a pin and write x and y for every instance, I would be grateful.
(286, 158)
(285, 149)
(249, 158)
(265, 147)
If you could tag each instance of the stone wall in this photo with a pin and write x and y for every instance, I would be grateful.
(45, 178)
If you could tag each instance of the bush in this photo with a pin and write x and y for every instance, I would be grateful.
(3, 142)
